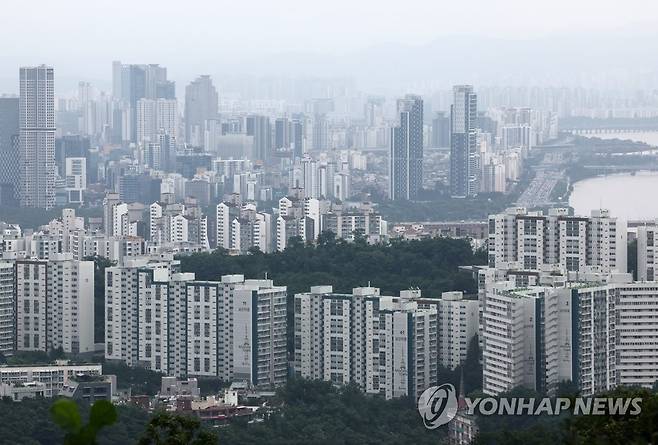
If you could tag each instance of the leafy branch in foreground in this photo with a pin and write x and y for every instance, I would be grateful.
(66, 415)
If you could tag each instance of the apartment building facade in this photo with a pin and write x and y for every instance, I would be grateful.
(573, 243)
(169, 322)
(55, 304)
(385, 345)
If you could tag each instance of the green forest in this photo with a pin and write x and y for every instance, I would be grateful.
(307, 412)
(316, 412)
(29, 423)
(430, 264)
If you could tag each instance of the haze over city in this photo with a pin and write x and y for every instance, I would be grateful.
(443, 42)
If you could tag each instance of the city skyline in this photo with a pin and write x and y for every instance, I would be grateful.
(329, 222)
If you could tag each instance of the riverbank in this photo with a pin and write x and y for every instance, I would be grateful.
(594, 157)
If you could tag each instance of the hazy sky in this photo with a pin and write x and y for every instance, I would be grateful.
(81, 37)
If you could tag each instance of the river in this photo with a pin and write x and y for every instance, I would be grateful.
(627, 196)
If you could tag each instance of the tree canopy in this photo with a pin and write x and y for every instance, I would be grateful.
(429, 264)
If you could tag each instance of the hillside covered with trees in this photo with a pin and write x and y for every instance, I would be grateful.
(316, 412)
(430, 264)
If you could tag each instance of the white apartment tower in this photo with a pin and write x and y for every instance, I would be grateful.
(647, 253)
(242, 228)
(408, 361)
(330, 328)
(7, 301)
(259, 333)
(171, 323)
(123, 286)
(37, 137)
(508, 340)
(55, 304)
(539, 336)
(155, 116)
(385, 345)
(31, 280)
(457, 324)
(226, 212)
(636, 327)
(76, 179)
(572, 243)
(204, 303)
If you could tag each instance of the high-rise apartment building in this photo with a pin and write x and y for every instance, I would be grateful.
(37, 137)
(406, 155)
(261, 129)
(457, 324)
(464, 156)
(156, 116)
(55, 304)
(7, 308)
(295, 219)
(31, 280)
(636, 333)
(123, 286)
(573, 243)
(201, 104)
(130, 83)
(320, 132)
(597, 332)
(252, 230)
(241, 228)
(647, 253)
(307, 218)
(225, 214)
(233, 329)
(509, 321)
(385, 345)
(259, 333)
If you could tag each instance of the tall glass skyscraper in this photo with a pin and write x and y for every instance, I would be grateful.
(201, 104)
(464, 159)
(406, 157)
(9, 145)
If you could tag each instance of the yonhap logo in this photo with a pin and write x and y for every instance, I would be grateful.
(437, 405)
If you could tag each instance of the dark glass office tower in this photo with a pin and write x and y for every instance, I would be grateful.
(464, 158)
(8, 150)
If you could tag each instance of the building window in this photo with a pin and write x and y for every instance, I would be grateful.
(336, 307)
(336, 344)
